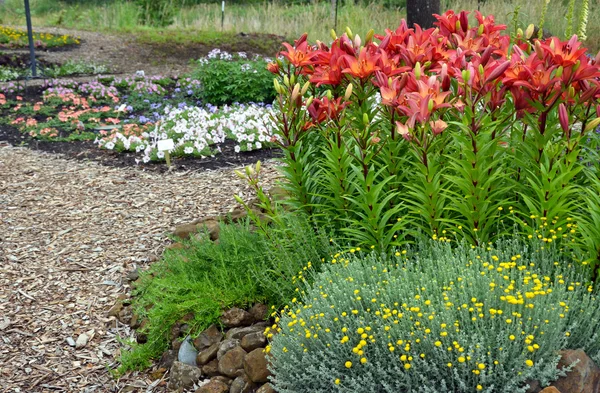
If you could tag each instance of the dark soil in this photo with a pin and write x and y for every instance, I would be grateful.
(19, 60)
(87, 150)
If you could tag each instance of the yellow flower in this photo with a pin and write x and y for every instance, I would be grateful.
(337, 381)
(479, 387)
(348, 364)
(529, 363)
(363, 360)
(407, 366)
(481, 366)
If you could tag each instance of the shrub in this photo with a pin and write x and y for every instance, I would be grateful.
(227, 78)
(436, 320)
(205, 278)
(444, 132)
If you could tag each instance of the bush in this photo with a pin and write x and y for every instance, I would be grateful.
(445, 132)
(244, 267)
(228, 78)
(435, 320)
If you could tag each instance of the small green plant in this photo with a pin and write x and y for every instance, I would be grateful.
(434, 319)
(228, 78)
(205, 278)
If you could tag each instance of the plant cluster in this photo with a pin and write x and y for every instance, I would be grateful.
(204, 278)
(17, 38)
(227, 78)
(434, 319)
(447, 132)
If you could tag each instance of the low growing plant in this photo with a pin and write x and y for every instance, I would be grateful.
(434, 319)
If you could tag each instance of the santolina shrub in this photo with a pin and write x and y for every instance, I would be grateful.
(443, 132)
(435, 320)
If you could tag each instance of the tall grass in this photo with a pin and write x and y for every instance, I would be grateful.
(288, 20)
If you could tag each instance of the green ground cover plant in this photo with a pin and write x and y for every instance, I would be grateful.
(437, 319)
(246, 266)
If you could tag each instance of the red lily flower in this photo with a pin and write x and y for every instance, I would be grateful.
(364, 66)
(300, 54)
(323, 109)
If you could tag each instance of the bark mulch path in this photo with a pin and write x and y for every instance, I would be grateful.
(70, 231)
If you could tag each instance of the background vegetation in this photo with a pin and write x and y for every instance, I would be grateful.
(286, 18)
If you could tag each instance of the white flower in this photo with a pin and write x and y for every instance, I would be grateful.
(258, 145)
(188, 150)
(237, 149)
(109, 145)
(160, 154)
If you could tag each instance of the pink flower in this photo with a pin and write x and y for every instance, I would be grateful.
(438, 126)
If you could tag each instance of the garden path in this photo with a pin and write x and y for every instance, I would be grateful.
(70, 231)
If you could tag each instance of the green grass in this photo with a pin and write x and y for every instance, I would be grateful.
(244, 267)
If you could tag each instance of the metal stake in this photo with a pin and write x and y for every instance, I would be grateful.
(222, 14)
(30, 37)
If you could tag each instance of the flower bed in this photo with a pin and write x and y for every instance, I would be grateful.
(17, 38)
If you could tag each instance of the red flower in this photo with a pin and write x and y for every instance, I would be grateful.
(364, 66)
(273, 68)
(323, 109)
(300, 54)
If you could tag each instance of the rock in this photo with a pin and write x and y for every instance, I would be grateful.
(211, 369)
(239, 333)
(135, 321)
(208, 354)
(70, 341)
(175, 246)
(116, 309)
(187, 353)
(583, 378)
(266, 388)
(232, 363)
(185, 231)
(225, 380)
(226, 346)
(259, 312)
(235, 317)
(534, 386)
(550, 389)
(158, 373)
(209, 337)
(183, 376)
(125, 315)
(82, 341)
(176, 344)
(213, 386)
(255, 365)
(253, 340)
(242, 384)
(133, 275)
(167, 359)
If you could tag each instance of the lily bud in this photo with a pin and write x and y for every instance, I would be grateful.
(369, 36)
(480, 30)
(418, 70)
(498, 71)
(519, 32)
(241, 176)
(465, 76)
(464, 21)
(249, 170)
(277, 85)
(348, 92)
(552, 46)
(529, 31)
(333, 35)
(430, 105)
(305, 88)
(329, 95)
(559, 71)
(357, 41)
(571, 92)
(295, 91)
(286, 81)
(257, 166)
(365, 119)
(592, 124)
(390, 82)
(563, 117)
(538, 49)
(349, 32)
(292, 79)
(457, 26)
(481, 71)
(238, 198)
(309, 101)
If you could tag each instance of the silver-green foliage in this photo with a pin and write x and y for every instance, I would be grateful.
(389, 302)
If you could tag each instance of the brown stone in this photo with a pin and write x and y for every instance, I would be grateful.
(209, 337)
(208, 354)
(183, 376)
(226, 346)
(232, 363)
(221, 378)
(259, 312)
(211, 369)
(158, 373)
(253, 340)
(583, 378)
(175, 246)
(125, 315)
(167, 359)
(235, 317)
(185, 231)
(135, 321)
(242, 384)
(116, 309)
(255, 365)
(240, 332)
(213, 387)
(266, 388)
(550, 389)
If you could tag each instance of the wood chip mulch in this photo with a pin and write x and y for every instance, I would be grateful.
(70, 232)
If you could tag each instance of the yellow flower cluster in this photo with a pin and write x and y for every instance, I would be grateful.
(18, 38)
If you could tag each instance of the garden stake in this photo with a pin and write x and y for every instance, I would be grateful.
(222, 14)
(30, 38)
